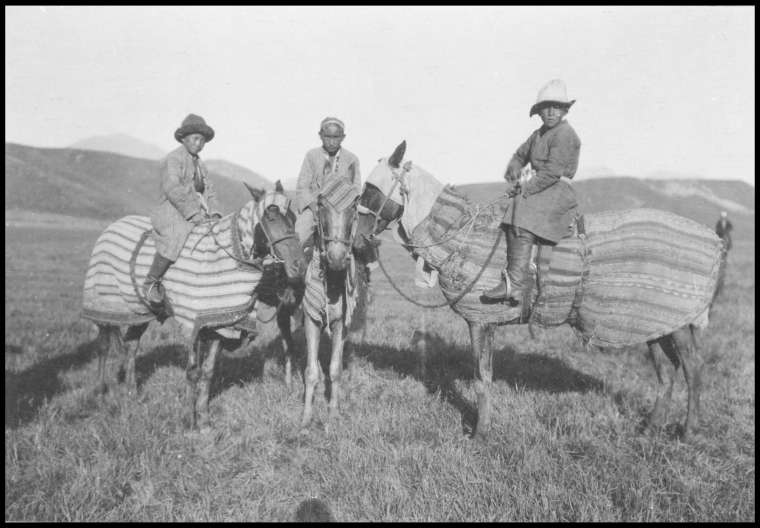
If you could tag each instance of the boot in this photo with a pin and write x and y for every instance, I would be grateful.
(153, 290)
(501, 291)
(519, 248)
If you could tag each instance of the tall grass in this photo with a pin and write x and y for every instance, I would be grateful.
(566, 443)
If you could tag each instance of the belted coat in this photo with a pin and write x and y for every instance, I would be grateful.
(547, 204)
(179, 201)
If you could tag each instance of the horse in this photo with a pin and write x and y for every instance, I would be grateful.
(619, 279)
(331, 290)
(212, 289)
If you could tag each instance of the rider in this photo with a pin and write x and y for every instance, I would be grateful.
(543, 208)
(319, 166)
(187, 198)
(723, 229)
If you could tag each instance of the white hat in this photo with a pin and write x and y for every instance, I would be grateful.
(554, 91)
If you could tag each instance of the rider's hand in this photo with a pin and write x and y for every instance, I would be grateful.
(197, 218)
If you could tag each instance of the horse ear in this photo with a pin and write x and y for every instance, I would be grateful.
(256, 193)
(278, 186)
(398, 155)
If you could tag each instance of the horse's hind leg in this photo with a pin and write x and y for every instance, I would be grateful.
(103, 346)
(686, 346)
(666, 374)
(207, 374)
(193, 374)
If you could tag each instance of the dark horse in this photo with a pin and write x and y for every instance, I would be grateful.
(329, 298)
(223, 269)
(408, 194)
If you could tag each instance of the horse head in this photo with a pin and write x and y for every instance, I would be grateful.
(382, 200)
(274, 234)
(336, 227)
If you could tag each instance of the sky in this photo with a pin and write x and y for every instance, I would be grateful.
(657, 89)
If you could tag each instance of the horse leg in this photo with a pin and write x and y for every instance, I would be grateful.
(688, 352)
(132, 340)
(481, 336)
(657, 351)
(103, 346)
(286, 336)
(336, 367)
(207, 374)
(311, 376)
(193, 374)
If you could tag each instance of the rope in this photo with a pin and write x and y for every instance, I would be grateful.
(458, 297)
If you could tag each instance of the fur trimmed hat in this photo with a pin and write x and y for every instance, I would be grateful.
(194, 124)
(554, 91)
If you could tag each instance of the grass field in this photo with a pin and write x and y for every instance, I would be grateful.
(566, 443)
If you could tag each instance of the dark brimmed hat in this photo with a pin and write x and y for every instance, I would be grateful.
(553, 92)
(194, 124)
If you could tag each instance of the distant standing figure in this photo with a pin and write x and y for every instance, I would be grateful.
(544, 207)
(187, 198)
(723, 229)
(319, 166)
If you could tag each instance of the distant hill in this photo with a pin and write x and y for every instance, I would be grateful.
(94, 184)
(700, 200)
(237, 172)
(121, 144)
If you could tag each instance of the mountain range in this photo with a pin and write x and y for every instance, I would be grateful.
(102, 185)
(105, 185)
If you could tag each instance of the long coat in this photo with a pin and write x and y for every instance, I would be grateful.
(179, 201)
(547, 205)
(317, 168)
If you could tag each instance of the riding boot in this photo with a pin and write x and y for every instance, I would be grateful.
(153, 290)
(501, 291)
(520, 244)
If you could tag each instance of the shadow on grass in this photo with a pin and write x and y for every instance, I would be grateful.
(437, 364)
(27, 390)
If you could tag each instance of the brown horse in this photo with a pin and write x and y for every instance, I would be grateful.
(329, 298)
(407, 194)
(212, 287)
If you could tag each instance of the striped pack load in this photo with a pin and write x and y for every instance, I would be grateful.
(340, 192)
(466, 245)
(638, 275)
(206, 287)
(316, 297)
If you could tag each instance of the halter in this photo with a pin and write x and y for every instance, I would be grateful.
(347, 241)
(271, 244)
(398, 179)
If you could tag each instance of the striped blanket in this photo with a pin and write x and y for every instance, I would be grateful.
(205, 286)
(637, 275)
(634, 276)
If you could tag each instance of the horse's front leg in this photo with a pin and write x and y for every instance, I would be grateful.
(337, 329)
(286, 337)
(658, 350)
(481, 337)
(132, 342)
(204, 388)
(311, 376)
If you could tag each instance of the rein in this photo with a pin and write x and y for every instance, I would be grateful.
(459, 296)
(469, 225)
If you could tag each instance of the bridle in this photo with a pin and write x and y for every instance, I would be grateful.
(271, 244)
(323, 239)
(398, 180)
